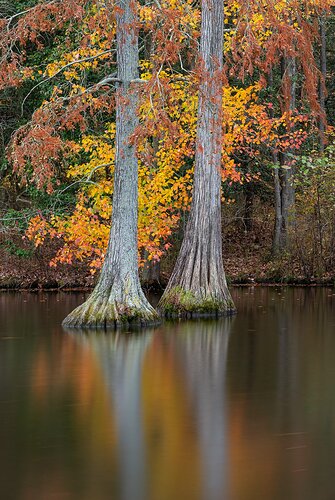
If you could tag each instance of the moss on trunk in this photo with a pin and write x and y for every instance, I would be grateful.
(181, 303)
(105, 312)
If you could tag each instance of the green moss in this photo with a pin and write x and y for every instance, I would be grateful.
(184, 303)
(134, 316)
(97, 315)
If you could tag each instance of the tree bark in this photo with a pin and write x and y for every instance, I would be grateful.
(322, 87)
(198, 284)
(284, 186)
(150, 273)
(278, 208)
(118, 298)
(248, 206)
(277, 190)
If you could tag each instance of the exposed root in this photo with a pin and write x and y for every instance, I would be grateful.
(181, 303)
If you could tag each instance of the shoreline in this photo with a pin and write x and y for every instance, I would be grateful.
(158, 287)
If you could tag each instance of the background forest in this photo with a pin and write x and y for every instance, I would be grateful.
(57, 93)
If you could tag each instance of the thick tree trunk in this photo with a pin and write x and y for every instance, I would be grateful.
(198, 284)
(118, 298)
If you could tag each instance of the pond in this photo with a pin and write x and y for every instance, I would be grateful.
(240, 408)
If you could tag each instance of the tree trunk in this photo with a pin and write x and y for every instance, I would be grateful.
(288, 200)
(322, 88)
(150, 274)
(198, 284)
(118, 298)
(248, 207)
(277, 191)
(284, 177)
(276, 244)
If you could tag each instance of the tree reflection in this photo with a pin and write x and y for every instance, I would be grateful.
(233, 408)
(202, 349)
(167, 394)
(121, 360)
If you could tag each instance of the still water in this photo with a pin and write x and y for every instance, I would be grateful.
(241, 408)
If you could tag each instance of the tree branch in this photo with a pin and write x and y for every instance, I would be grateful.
(23, 12)
(104, 165)
(72, 63)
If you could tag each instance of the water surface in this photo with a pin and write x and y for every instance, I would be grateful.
(241, 408)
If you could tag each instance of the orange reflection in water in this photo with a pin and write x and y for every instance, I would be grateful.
(67, 385)
(171, 437)
(221, 410)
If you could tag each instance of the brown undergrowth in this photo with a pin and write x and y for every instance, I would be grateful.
(247, 259)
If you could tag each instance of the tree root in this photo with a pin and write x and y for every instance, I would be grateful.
(101, 312)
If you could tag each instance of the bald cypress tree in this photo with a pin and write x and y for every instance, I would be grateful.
(118, 298)
(198, 284)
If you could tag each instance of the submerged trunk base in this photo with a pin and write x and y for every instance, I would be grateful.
(181, 303)
(106, 313)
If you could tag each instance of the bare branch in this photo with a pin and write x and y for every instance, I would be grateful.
(23, 12)
(72, 63)
(112, 79)
(86, 179)
(104, 165)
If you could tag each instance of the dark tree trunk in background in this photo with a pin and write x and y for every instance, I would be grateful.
(118, 298)
(278, 207)
(198, 284)
(150, 273)
(284, 176)
(248, 207)
(322, 89)
(277, 189)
